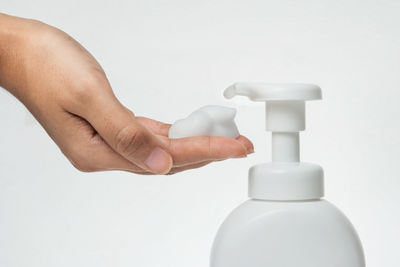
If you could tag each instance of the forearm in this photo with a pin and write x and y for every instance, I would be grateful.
(10, 40)
(15, 41)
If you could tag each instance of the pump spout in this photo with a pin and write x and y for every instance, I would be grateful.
(230, 92)
(242, 89)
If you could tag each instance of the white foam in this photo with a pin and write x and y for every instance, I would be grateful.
(206, 121)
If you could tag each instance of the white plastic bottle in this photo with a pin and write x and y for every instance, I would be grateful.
(285, 223)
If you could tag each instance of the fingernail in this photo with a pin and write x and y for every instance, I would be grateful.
(159, 161)
(249, 150)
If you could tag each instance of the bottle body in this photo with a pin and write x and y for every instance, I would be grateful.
(263, 233)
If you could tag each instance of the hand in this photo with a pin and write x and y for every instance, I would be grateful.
(68, 92)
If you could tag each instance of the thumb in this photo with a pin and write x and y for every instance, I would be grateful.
(119, 127)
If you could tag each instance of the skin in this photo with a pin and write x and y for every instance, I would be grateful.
(67, 91)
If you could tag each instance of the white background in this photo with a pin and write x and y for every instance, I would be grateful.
(167, 58)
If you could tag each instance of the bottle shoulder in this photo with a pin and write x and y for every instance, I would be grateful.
(276, 213)
(257, 207)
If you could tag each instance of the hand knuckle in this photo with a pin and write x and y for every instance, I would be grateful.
(130, 141)
(89, 84)
(80, 161)
(83, 165)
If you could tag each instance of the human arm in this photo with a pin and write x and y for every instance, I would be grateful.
(67, 91)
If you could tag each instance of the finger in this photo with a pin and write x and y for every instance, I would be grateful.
(186, 167)
(154, 126)
(201, 148)
(189, 167)
(246, 143)
(161, 128)
(123, 132)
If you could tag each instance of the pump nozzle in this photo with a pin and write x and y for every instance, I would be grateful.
(285, 112)
(285, 117)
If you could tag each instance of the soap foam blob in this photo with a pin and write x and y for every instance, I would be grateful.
(209, 120)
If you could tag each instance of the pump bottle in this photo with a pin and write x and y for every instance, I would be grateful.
(285, 223)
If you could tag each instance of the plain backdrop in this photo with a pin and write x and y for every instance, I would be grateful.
(166, 58)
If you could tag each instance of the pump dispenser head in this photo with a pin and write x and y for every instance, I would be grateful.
(285, 178)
